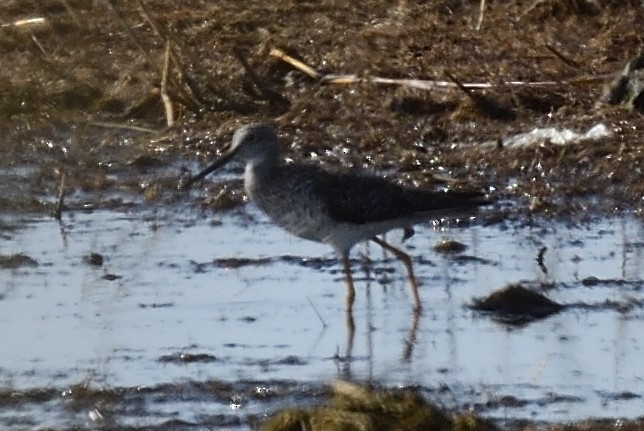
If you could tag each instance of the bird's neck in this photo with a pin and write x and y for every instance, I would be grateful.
(257, 173)
(261, 166)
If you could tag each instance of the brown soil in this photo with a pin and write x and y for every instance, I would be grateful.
(80, 92)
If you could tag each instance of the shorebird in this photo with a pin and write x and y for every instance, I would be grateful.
(338, 209)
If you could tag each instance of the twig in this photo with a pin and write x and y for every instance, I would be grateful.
(71, 12)
(121, 126)
(568, 61)
(481, 13)
(29, 22)
(458, 83)
(485, 105)
(324, 324)
(130, 33)
(414, 83)
(148, 57)
(167, 103)
(532, 6)
(40, 47)
(148, 17)
(421, 84)
(295, 63)
(195, 99)
(251, 73)
(267, 93)
(58, 211)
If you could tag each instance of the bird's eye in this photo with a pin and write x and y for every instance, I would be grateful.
(251, 136)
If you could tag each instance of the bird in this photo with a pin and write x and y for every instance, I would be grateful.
(339, 209)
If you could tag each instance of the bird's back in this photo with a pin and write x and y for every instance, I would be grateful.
(363, 199)
(307, 200)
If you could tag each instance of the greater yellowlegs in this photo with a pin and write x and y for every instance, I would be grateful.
(338, 209)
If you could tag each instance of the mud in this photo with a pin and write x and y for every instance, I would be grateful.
(82, 88)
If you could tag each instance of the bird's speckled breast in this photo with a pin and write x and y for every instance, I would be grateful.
(288, 199)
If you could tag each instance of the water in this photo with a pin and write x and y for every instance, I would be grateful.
(166, 289)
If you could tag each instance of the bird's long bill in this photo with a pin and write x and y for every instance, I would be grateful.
(227, 154)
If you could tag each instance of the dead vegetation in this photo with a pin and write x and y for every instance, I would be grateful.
(516, 305)
(426, 89)
(353, 407)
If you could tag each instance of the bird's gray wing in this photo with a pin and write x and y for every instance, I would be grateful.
(354, 198)
(361, 199)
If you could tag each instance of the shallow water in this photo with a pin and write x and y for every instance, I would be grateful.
(174, 284)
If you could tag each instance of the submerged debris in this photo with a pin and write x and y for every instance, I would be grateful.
(94, 259)
(591, 280)
(516, 304)
(449, 247)
(13, 261)
(539, 259)
(187, 358)
(238, 262)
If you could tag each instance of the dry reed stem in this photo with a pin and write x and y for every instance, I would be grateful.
(295, 63)
(40, 47)
(193, 97)
(422, 84)
(29, 22)
(71, 12)
(131, 34)
(532, 6)
(481, 13)
(167, 102)
(108, 125)
(190, 99)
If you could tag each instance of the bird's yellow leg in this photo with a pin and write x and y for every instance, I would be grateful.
(351, 292)
(406, 260)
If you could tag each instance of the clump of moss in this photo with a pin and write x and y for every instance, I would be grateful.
(17, 260)
(355, 407)
(516, 304)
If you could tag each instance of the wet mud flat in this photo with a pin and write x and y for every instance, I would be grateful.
(106, 106)
(131, 320)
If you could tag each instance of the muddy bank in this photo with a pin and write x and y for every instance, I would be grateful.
(89, 88)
